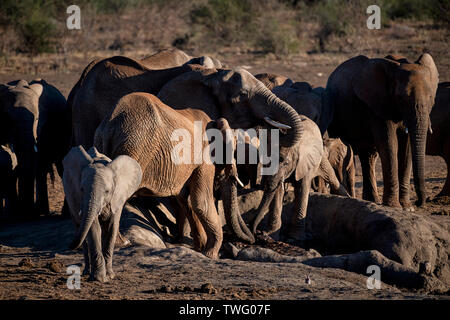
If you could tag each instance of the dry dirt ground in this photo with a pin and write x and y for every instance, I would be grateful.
(33, 255)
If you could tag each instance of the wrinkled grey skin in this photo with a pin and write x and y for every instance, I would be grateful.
(8, 192)
(298, 165)
(243, 101)
(97, 189)
(370, 103)
(33, 120)
(104, 81)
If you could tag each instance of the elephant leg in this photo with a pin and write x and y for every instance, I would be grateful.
(269, 193)
(276, 207)
(109, 235)
(405, 166)
(97, 261)
(26, 195)
(327, 172)
(197, 231)
(202, 201)
(370, 189)
(87, 264)
(385, 137)
(297, 228)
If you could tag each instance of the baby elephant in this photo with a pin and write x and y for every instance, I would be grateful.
(8, 191)
(299, 165)
(96, 189)
(340, 157)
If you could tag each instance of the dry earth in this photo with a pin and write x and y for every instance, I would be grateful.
(33, 255)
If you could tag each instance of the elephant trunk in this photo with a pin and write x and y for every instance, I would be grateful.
(278, 110)
(232, 214)
(418, 137)
(89, 213)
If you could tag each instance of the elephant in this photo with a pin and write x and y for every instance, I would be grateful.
(34, 120)
(341, 158)
(144, 128)
(273, 80)
(244, 102)
(382, 105)
(104, 81)
(170, 58)
(438, 142)
(96, 189)
(8, 191)
(299, 165)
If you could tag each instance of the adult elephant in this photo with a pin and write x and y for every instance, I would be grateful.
(170, 58)
(244, 102)
(34, 120)
(104, 81)
(383, 105)
(438, 142)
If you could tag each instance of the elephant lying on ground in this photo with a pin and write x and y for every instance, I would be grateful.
(243, 101)
(8, 192)
(438, 142)
(299, 165)
(382, 105)
(274, 80)
(35, 121)
(141, 126)
(104, 81)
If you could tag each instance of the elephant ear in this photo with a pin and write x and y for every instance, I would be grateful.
(310, 149)
(375, 86)
(37, 88)
(426, 60)
(74, 163)
(127, 177)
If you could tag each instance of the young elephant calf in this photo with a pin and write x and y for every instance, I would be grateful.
(299, 165)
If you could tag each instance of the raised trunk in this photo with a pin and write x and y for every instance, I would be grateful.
(89, 213)
(280, 111)
(418, 136)
(232, 214)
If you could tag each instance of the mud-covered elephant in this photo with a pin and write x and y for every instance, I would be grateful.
(382, 105)
(96, 190)
(244, 102)
(34, 120)
(298, 165)
(438, 142)
(143, 128)
(104, 81)
(8, 181)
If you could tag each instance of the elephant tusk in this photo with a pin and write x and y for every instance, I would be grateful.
(239, 181)
(430, 129)
(276, 124)
(406, 130)
(35, 148)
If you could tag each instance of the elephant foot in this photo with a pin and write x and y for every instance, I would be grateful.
(211, 253)
(407, 206)
(86, 271)
(394, 203)
(99, 276)
(110, 273)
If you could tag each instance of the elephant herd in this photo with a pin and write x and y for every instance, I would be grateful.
(113, 139)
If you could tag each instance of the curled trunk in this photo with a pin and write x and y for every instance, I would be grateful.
(89, 213)
(232, 215)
